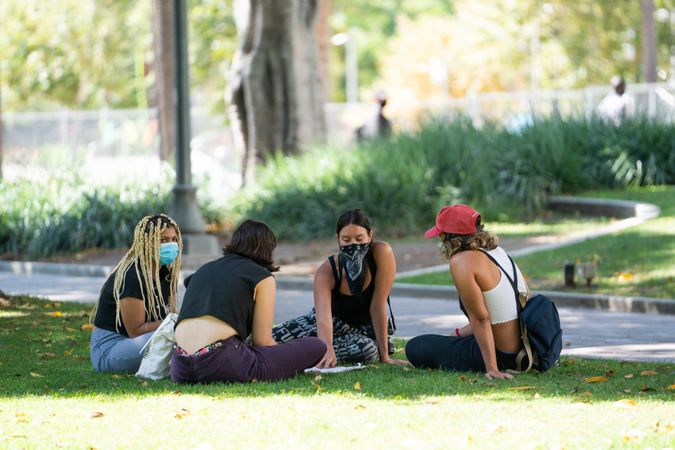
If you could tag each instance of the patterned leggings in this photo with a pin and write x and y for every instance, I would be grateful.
(352, 343)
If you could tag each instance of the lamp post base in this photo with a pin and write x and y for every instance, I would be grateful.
(186, 214)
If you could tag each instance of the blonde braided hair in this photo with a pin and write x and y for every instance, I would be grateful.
(144, 256)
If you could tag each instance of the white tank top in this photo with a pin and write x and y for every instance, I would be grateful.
(500, 300)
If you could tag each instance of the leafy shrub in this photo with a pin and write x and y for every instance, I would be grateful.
(402, 182)
(40, 219)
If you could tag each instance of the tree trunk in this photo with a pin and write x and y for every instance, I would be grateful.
(275, 93)
(648, 41)
(322, 31)
(164, 77)
(2, 135)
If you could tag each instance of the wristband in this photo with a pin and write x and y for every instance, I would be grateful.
(457, 332)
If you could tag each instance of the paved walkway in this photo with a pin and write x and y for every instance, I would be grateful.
(591, 333)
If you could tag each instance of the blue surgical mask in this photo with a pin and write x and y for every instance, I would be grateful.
(168, 253)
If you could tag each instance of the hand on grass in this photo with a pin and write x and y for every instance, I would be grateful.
(495, 374)
(328, 360)
(396, 362)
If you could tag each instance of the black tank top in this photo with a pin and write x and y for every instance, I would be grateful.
(355, 309)
(224, 289)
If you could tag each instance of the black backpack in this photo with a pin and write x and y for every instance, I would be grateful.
(540, 329)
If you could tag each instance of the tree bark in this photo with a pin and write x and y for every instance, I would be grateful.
(648, 41)
(164, 77)
(275, 92)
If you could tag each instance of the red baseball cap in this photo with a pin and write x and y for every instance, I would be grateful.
(455, 219)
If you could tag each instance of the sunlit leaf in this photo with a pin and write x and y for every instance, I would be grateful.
(671, 387)
(182, 413)
(629, 376)
(36, 375)
(625, 403)
(595, 379)
(57, 314)
(357, 386)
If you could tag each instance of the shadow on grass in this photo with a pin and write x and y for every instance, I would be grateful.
(45, 351)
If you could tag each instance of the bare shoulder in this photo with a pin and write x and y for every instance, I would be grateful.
(324, 272)
(382, 249)
(466, 261)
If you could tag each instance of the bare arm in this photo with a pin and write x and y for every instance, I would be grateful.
(132, 311)
(463, 268)
(263, 312)
(323, 285)
(384, 280)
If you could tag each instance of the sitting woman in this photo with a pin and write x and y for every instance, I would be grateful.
(485, 277)
(351, 294)
(226, 301)
(137, 296)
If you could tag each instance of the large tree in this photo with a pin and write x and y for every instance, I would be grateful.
(164, 77)
(276, 92)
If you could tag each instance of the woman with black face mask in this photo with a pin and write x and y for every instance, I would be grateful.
(351, 298)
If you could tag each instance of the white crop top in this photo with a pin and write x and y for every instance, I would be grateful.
(500, 300)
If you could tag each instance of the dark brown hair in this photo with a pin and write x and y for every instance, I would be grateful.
(352, 217)
(255, 240)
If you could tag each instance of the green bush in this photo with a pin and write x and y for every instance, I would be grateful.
(508, 175)
(41, 219)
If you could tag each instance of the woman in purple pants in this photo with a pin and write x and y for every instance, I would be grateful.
(226, 301)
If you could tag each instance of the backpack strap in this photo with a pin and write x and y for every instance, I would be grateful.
(521, 301)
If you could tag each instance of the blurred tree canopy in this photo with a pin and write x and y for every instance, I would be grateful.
(99, 53)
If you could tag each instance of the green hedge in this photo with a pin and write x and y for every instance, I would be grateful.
(40, 219)
(401, 183)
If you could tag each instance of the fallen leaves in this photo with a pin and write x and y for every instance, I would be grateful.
(357, 386)
(648, 373)
(671, 387)
(629, 376)
(95, 414)
(56, 314)
(182, 413)
(36, 375)
(598, 379)
(625, 276)
(625, 403)
(46, 355)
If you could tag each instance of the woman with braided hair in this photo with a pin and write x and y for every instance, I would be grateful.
(137, 296)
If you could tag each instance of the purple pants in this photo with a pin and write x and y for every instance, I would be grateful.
(235, 361)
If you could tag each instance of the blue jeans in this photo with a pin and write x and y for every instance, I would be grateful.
(114, 352)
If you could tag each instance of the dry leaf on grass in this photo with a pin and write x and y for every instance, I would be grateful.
(36, 375)
(47, 355)
(646, 373)
(629, 376)
(625, 403)
(595, 379)
(182, 413)
(57, 314)
(357, 386)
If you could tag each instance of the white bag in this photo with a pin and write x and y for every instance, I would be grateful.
(158, 350)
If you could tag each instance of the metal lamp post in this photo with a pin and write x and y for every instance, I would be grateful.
(184, 209)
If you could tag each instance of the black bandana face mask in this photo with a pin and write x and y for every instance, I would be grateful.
(352, 263)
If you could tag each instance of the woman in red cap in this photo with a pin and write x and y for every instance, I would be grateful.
(486, 278)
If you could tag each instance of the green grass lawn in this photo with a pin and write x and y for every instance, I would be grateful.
(51, 397)
(639, 261)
